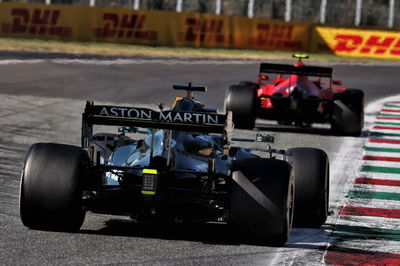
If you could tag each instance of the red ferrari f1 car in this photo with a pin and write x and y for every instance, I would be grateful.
(297, 95)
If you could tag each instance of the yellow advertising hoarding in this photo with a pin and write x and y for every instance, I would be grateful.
(200, 30)
(358, 42)
(83, 23)
(268, 34)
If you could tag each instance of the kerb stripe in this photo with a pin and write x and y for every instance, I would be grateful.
(381, 158)
(375, 181)
(365, 194)
(364, 211)
(388, 118)
(385, 127)
(360, 258)
(380, 169)
(387, 123)
(377, 149)
(389, 141)
(390, 110)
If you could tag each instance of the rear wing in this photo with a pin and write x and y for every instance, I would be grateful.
(148, 118)
(296, 70)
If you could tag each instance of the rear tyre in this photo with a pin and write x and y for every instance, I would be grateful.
(311, 174)
(262, 199)
(51, 187)
(348, 112)
(242, 100)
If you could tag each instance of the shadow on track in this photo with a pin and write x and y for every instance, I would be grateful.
(322, 131)
(207, 233)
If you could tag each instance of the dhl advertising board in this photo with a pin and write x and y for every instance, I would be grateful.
(37, 20)
(168, 28)
(82, 23)
(357, 42)
(200, 30)
(270, 34)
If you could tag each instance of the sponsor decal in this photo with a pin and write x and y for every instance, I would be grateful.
(165, 116)
(361, 43)
(276, 36)
(39, 21)
(124, 26)
(206, 30)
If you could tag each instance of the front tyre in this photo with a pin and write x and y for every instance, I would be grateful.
(51, 187)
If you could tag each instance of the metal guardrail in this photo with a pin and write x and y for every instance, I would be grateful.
(345, 12)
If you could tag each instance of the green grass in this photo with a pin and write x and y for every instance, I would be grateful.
(36, 45)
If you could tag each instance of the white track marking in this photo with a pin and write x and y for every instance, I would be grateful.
(381, 163)
(377, 188)
(382, 145)
(384, 154)
(172, 61)
(379, 175)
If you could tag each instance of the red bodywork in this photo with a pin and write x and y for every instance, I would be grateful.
(309, 86)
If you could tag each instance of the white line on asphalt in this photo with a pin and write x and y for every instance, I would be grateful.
(171, 61)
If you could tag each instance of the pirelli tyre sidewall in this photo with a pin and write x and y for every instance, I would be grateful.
(242, 100)
(348, 112)
(311, 174)
(51, 187)
(262, 199)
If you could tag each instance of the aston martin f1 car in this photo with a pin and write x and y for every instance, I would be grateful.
(174, 166)
(292, 97)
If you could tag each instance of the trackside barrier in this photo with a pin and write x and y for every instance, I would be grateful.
(168, 28)
(357, 42)
(83, 23)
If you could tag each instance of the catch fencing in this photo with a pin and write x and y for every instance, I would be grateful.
(376, 13)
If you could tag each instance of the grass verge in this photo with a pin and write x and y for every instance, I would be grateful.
(111, 49)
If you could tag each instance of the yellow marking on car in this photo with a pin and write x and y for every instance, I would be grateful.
(150, 171)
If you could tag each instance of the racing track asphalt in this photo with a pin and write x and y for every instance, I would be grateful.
(41, 101)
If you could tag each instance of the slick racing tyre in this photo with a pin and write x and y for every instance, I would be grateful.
(51, 187)
(311, 174)
(262, 199)
(348, 112)
(242, 100)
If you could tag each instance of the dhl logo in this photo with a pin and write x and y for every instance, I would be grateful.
(203, 30)
(124, 26)
(358, 42)
(364, 44)
(275, 36)
(36, 22)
